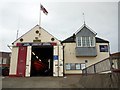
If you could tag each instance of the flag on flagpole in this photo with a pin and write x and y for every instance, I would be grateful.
(43, 9)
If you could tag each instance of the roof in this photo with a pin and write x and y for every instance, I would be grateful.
(24, 34)
(85, 26)
(115, 55)
(100, 40)
(71, 39)
(31, 30)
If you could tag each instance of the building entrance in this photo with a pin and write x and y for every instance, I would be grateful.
(42, 61)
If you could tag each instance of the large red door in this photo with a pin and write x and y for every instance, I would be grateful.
(21, 65)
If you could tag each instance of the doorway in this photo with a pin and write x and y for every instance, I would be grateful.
(42, 61)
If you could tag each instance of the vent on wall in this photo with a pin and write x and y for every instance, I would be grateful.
(21, 39)
(37, 32)
(52, 39)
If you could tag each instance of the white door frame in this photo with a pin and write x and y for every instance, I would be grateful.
(28, 62)
(55, 61)
(60, 61)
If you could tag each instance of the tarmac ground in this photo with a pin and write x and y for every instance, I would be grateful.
(42, 82)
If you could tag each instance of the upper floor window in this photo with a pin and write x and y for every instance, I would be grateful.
(4, 60)
(0, 60)
(85, 41)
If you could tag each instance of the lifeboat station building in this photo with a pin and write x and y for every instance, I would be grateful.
(38, 53)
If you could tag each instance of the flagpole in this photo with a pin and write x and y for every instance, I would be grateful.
(18, 28)
(40, 16)
(17, 34)
(44, 11)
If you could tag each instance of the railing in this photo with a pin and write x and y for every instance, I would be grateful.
(103, 66)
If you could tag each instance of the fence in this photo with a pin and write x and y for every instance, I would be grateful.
(103, 66)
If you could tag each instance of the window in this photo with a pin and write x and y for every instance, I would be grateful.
(85, 41)
(79, 42)
(103, 48)
(4, 60)
(0, 60)
(92, 41)
(72, 65)
(75, 66)
(67, 66)
(82, 65)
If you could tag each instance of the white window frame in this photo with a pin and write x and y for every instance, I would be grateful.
(68, 66)
(0, 60)
(78, 66)
(83, 67)
(90, 44)
(4, 61)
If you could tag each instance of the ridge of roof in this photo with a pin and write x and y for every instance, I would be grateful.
(25, 33)
(83, 26)
(32, 29)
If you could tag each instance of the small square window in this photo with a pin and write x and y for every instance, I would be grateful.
(82, 65)
(67, 66)
(4, 60)
(0, 60)
(73, 66)
(77, 65)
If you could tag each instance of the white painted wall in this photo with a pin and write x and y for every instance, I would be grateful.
(28, 62)
(60, 60)
(55, 62)
(30, 36)
(70, 57)
(13, 61)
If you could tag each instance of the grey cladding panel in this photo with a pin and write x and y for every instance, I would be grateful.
(85, 32)
(86, 51)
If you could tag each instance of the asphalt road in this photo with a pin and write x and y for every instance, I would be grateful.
(41, 82)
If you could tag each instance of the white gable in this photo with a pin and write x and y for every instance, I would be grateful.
(31, 35)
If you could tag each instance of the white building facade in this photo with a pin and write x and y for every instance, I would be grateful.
(38, 53)
(83, 49)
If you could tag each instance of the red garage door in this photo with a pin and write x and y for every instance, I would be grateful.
(21, 65)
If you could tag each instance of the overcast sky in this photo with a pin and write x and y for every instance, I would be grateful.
(64, 18)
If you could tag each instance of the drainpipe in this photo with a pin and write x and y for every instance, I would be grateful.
(2, 63)
(86, 61)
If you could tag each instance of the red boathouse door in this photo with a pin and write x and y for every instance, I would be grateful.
(21, 65)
